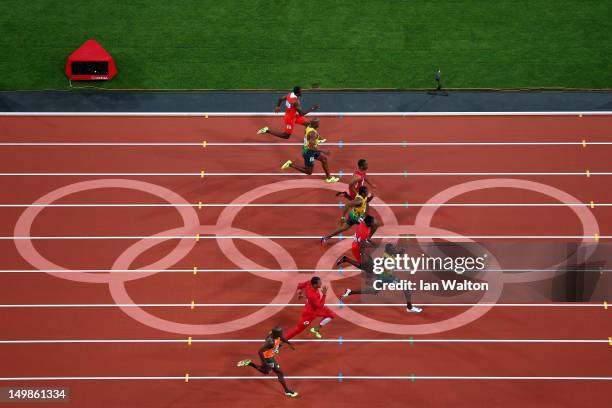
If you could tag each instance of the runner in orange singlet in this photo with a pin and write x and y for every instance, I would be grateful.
(268, 362)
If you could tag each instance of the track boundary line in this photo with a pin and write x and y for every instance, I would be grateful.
(450, 238)
(322, 114)
(342, 377)
(197, 270)
(583, 143)
(405, 174)
(332, 205)
(340, 305)
(327, 341)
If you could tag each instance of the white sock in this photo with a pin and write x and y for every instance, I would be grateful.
(325, 321)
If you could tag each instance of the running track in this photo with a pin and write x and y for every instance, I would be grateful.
(412, 361)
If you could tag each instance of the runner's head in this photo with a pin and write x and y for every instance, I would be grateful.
(390, 249)
(297, 90)
(314, 123)
(362, 164)
(363, 191)
(369, 220)
(277, 331)
(315, 281)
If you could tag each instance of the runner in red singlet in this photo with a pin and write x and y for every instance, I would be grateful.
(359, 179)
(293, 114)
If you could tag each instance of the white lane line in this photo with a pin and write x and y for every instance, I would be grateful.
(450, 238)
(341, 305)
(280, 115)
(286, 174)
(334, 205)
(279, 144)
(313, 377)
(198, 270)
(330, 341)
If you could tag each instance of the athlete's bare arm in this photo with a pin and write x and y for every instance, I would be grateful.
(353, 184)
(367, 180)
(298, 108)
(284, 340)
(355, 203)
(278, 104)
(311, 137)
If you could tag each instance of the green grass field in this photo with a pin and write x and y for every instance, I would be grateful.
(189, 44)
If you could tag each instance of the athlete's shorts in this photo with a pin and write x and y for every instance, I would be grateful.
(309, 157)
(290, 122)
(356, 251)
(353, 219)
(271, 363)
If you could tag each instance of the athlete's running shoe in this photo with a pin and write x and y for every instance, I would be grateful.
(346, 293)
(315, 332)
(263, 130)
(323, 242)
(414, 309)
(341, 260)
(243, 363)
(291, 394)
(287, 164)
(332, 179)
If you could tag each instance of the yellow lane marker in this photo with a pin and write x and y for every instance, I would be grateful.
(583, 143)
(200, 205)
(580, 115)
(206, 116)
(610, 341)
(197, 237)
(592, 204)
(195, 270)
(588, 173)
(202, 174)
(204, 143)
(596, 237)
(192, 304)
(605, 305)
(186, 377)
(189, 340)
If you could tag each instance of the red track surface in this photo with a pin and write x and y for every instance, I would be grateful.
(443, 359)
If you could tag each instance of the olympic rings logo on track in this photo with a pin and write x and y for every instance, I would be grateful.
(288, 280)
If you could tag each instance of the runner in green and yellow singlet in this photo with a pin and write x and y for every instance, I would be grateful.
(311, 152)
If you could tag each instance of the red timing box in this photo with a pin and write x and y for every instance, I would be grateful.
(90, 62)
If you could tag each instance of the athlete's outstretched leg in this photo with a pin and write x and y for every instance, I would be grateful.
(299, 327)
(305, 170)
(345, 259)
(263, 368)
(282, 135)
(323, 161)
(343, 228)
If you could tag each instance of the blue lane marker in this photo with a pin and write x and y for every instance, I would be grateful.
(341, 116)
(340, 270)
(340, 377)
(341, 204)
(340, 340)
(340, 144)
(412, 377)
(341, 305)
(406, 205)
(404, 144)
(340, 173)
(340, 237)
(405, 173)
(411, 341)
